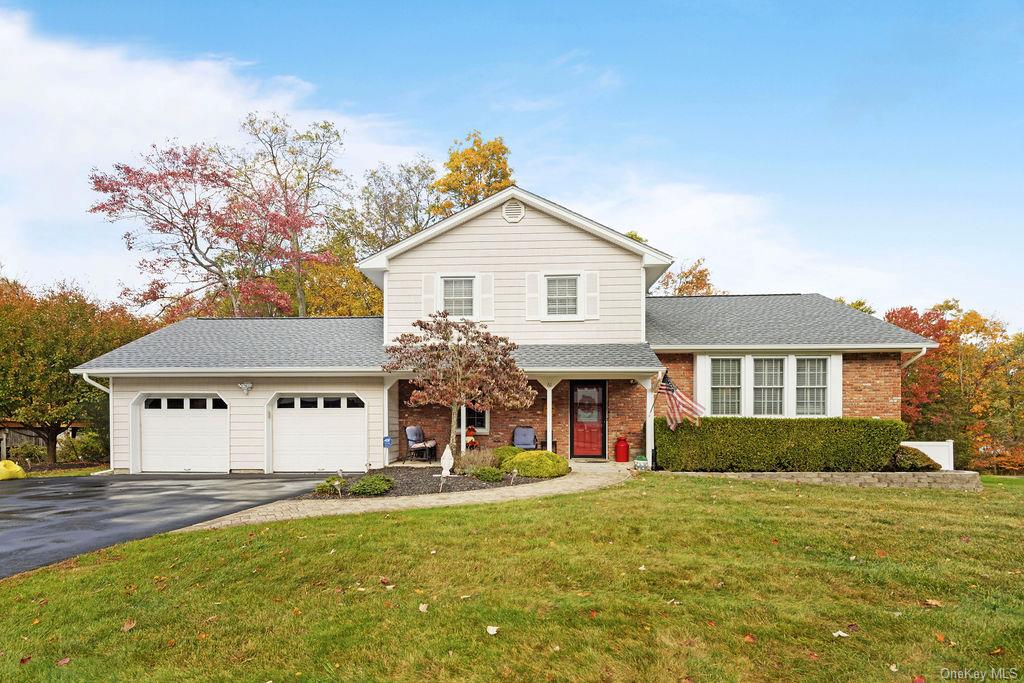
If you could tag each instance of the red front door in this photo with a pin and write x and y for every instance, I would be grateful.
(587, 419)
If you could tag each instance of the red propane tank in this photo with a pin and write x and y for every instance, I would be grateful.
(621, 450)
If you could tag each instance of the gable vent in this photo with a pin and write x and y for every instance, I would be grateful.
(513, 211)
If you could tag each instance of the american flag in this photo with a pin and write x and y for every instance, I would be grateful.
(680, 406)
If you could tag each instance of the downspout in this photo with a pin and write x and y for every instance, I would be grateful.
(917, 356)
(110, 404)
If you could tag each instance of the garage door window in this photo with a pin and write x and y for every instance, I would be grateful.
(332, 401)
(307, 402)
(197, 404)
(219, 404)
(154, 403)
(175, 404)
(286, 402)
(355, 402)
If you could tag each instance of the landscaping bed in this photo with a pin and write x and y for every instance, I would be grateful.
(65, 469)
(414, 481)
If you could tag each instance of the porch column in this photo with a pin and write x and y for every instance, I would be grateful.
(462, 432)
(386, 415)
(648, 384)
(549, 383)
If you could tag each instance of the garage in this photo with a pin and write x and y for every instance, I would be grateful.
(322, 433)
(184, 434)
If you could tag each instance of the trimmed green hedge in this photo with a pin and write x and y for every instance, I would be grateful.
(539, 464)
(751, 444)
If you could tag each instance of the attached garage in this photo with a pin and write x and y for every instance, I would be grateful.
(184, 434)
(319, 433)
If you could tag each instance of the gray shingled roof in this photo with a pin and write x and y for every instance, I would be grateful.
(767, 319)
(281, 343)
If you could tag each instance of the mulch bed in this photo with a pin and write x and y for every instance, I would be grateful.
(47, 467)
(412, 481)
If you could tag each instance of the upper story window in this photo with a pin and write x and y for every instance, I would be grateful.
(725, 386)
(811, 386)
(769, 379)
(458, 296)
(563, 295)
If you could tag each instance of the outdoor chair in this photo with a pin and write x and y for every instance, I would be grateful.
(420, 448)
(525, 437)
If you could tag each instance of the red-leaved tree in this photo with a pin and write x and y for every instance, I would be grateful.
(922, 380)
(457, 363)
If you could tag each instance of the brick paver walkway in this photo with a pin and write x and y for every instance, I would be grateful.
(583, 477)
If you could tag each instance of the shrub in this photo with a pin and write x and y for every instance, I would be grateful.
(909, 459)
(372, 485)
(491, 474)
(25, 452)
(86, 447)
(474, 459)
(503, 453)
(750, 444)
(330, 486)
(541, 464)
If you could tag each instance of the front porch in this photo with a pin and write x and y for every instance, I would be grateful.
(578, 415)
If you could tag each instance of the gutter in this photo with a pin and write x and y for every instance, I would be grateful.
(110, 399)
(917, 356)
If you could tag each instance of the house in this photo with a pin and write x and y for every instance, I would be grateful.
(286, 394)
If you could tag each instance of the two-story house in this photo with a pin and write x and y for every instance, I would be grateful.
(300, 395)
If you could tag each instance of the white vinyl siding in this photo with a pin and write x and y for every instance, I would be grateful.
(769, 381)
(811, 386)
(611, 279)
(247, 413)
(807, 386)
(726, 384)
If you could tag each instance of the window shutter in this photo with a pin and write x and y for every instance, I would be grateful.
(486, 307)
(592, 294)
(533, 296)
(429, 297)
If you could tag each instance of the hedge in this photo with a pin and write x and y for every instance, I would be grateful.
(750, 444)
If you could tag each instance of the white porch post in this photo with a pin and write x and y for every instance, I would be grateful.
(462, 432)
(389, 381)
(548, 388)
(549, 384)
(648, 384)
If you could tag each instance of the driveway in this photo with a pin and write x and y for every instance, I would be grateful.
(48, 520)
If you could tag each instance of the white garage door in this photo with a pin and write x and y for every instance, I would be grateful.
(319, 433)
(184, 434)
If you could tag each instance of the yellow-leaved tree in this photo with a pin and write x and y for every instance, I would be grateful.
(476, 169)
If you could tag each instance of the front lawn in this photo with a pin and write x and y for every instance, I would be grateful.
(67, 471)
(662, 578)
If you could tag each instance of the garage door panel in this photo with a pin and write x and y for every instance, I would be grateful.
(184, 440)
(319, 439)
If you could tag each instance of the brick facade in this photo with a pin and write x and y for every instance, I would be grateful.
(871, 385)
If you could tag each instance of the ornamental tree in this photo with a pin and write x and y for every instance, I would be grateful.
(457, 363)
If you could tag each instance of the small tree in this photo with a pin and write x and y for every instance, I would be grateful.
(459, 363)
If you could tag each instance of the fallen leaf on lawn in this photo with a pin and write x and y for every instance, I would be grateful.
(893, 668)
(998, 651)
(212, 619)
(63, 661)
(170, 642)
(332, 551)
(939, 637)
(965, 539)
(465, 597)
(25, 660)
(424, 607)
(389, 587)
(493, 631)
(643, 568)
(930, 602)
(852, 627)
(556, 648)
(812, 655)
(917, 679)
(775, 541)
(881, 553)
(35, 621)
(385, 581)
(296, 611)
(593, 613)
(203, 635)
(433, 552)
(583, 594)
(750, 638)
(840, 634)
(852, 558)
(128, 625)
(42, 602)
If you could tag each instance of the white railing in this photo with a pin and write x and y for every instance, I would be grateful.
(939, 451)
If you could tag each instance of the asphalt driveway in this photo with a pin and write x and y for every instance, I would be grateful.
(51, 519)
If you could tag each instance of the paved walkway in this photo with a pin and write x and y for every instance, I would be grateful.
(583, 477)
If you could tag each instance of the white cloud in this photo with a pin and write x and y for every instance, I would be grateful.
(66, 107)
(750, 251)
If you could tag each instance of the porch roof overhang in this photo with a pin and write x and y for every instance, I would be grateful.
(588, 360)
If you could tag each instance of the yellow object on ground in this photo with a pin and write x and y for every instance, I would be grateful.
(11, 470)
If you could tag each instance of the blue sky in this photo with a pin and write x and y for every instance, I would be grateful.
(868, 150)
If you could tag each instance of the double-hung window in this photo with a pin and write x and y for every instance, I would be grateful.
(481, 419)
(811, 386)
(726, 386)
(769, 379)
(562, 295)
(458, 296)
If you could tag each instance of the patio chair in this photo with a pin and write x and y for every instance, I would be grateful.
(420, 448)
(525, 437)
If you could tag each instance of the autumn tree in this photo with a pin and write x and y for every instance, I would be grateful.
(687, 280)
(339, 288)
(922, 380)
(857, 304)
(476, 169)
(392, 204)
(41, 339)
(457, 363)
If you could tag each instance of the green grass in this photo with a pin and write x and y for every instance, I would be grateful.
(77, 472)
(658, 579)
(993, 480)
